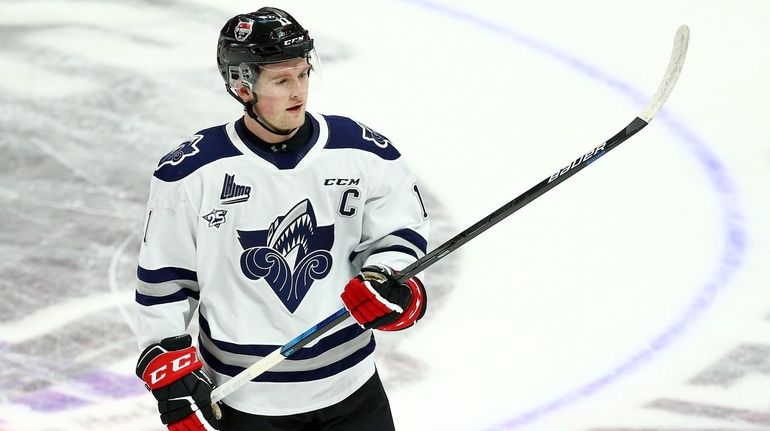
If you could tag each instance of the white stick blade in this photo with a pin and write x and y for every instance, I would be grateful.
(675, 64)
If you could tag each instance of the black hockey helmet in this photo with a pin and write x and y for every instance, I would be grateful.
(269, 35)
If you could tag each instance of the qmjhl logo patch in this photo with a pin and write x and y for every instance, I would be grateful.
(233, 193)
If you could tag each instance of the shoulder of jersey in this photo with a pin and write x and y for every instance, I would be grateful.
(198, 150)
(347, 133)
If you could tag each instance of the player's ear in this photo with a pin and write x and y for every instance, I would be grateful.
(245, 94)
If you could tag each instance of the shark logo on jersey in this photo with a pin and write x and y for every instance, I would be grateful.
(186, 149)
(370, 135)
(290, 255)
(215, 218)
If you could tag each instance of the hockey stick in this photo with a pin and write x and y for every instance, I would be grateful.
(664, 90)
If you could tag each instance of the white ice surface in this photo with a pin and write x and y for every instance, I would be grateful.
(578, 283)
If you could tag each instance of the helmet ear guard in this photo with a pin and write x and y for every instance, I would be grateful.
(242, 75)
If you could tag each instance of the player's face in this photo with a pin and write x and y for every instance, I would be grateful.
(281, 90)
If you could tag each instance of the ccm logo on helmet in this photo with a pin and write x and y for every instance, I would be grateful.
(177, 364)
(291, 41)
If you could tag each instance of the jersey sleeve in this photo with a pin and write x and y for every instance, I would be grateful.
(395, 222)
(167, 290)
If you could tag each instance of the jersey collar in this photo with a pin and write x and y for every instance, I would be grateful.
(283, 160)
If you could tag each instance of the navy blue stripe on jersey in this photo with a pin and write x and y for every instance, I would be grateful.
(280, 159)
(206, 146)
(414, 238)
(290, 376)
(346, 133)
(322, 346)
(162, 275)
(407, 235)
(398, 248)
(180, 295)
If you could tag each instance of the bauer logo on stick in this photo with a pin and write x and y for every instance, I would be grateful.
(587, 157)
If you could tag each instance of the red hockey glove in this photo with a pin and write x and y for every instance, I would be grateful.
(376, 300)
(172, 371)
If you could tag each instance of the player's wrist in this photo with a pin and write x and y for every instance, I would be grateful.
(159, 367)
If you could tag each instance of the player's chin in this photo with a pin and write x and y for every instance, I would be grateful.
(296, 116)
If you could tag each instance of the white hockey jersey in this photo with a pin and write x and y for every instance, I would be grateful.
(263, 244)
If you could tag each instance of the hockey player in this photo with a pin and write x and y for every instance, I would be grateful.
(266, 225)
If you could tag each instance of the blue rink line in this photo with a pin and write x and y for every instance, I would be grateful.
(732, 217)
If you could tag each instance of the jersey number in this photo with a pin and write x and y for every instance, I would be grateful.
(422, 204)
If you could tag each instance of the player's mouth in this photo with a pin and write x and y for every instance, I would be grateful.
(296, 108)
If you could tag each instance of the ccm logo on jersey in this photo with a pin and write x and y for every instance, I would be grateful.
(342, 181)
(589, 156)
(170, 366)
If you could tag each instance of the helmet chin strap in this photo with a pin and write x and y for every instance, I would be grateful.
(251, 112)
(274, 130)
